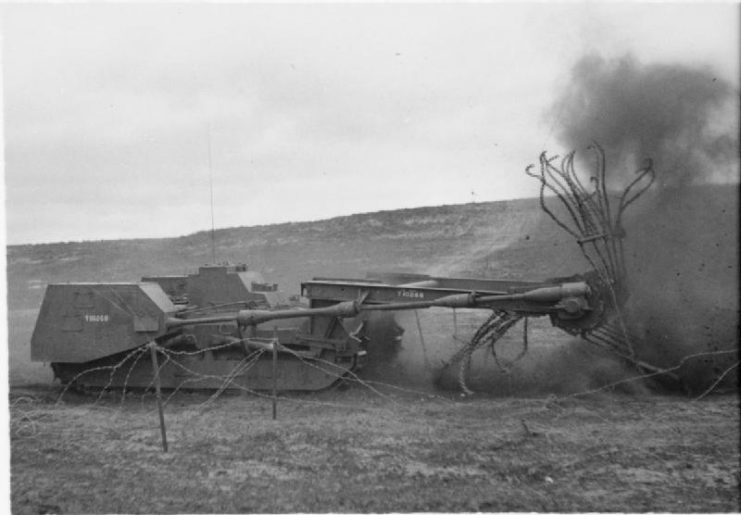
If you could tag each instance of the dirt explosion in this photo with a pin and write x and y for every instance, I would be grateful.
(681, 245)
(682, 241)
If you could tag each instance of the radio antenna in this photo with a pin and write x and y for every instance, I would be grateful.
(211, 187)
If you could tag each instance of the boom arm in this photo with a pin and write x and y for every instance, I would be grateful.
(572, 305)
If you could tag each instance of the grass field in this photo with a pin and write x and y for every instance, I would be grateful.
(356, 450)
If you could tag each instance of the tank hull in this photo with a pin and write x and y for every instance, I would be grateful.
(205, 371)
(97, 335)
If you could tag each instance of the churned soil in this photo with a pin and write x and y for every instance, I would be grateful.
(359, 449)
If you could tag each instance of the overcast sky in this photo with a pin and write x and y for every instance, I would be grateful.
(311, 110)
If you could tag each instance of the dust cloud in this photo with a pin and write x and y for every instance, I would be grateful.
(555, 363)
(682, 237)
(681, 246)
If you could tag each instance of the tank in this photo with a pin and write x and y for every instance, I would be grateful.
(94, 334)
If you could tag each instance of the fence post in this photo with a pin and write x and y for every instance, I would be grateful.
(275, 372)
(157, 389)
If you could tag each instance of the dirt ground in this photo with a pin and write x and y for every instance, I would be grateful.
(353, 449)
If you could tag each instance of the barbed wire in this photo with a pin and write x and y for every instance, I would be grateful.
(346, 373)
(71, 383)
(244, 365)
(715, 383)
(649, 375)
(24, 420)
(227, 380)
(27, 419)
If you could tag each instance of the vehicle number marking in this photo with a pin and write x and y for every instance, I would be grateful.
(97, 318)
(411, 294)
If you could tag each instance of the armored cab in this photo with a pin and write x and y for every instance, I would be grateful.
(81, 322)
(220, 285)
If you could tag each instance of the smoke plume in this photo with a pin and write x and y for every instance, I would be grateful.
(682, 238)
(685, 119)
